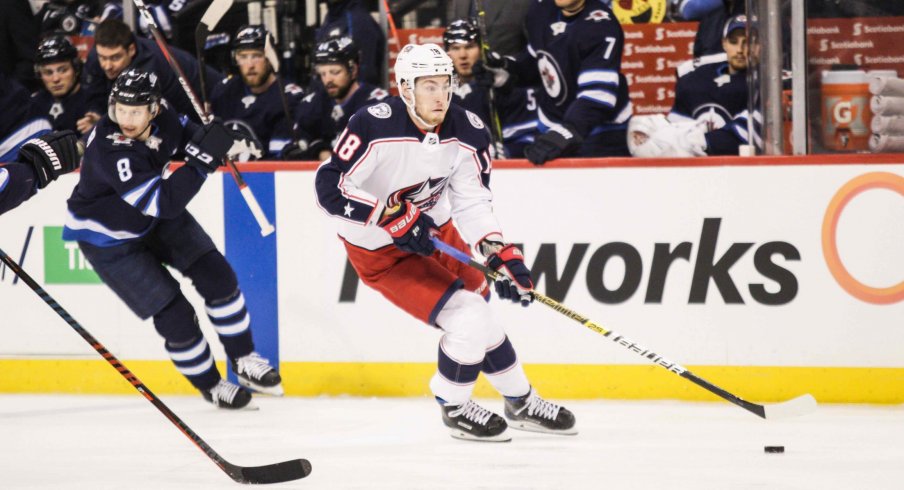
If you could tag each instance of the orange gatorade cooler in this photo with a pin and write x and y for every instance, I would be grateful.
(846, 114)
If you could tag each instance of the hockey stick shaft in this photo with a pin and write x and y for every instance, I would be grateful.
(270, 54)
(651, 356)
(291, 470)
(392, 26)
(259, 216)
(494, 112)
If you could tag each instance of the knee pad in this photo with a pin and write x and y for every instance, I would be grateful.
(213, 277)
(470, 331)
(177, 322)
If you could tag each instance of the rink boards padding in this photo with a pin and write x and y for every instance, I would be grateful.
(769, 276)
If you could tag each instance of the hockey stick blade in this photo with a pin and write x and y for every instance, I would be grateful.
(295, 469)
(215, 12)
(795, 407)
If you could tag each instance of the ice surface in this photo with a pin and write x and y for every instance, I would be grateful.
(122, 442)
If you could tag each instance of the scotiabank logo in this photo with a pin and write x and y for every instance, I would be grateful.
(769, 260)
(857, 186)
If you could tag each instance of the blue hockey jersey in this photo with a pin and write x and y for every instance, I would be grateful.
(62, 113)
(18, 123)
(382, 158)
(578, 62)
(517, 109)
(122, 192)
(320, 118)
(263, 113)
(707, 92)
(17, 184)
(148, 57)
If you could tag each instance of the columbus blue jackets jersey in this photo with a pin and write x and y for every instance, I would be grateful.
(18, 123)
(707, 92)
(122, 192)
(320, 118)
(578, 60)
(263, 113)
(517, 109)
(148, 57)
(62, 113)
(382, 159)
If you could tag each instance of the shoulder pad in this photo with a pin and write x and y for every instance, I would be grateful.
(691, 65)
(380, 111)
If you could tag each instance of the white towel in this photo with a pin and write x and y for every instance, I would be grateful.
(886, 105)
(891, 125)
(886, 144)
(886, 86)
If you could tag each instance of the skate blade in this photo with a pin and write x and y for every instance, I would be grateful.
(458, 434)
(532, 427)
(266, 390)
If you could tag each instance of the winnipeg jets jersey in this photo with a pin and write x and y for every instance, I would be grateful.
(17, 184)
(707, 92)
(263, 113)
(62, 113)
(320, 118)
(382, 159)
(122, 192)
(517, 109)
(18, 123)
(579, 63)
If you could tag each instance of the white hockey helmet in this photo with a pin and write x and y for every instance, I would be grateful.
(422, 60)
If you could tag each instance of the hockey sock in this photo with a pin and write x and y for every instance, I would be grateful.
(504, 371)
(453, 381)
(215, 280)
(185, 344)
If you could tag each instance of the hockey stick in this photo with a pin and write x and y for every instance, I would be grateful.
(392, 26)
(206, 117)
(209, 21)
(796, 406)
(494, 113)
(272, 473)
(270, 54)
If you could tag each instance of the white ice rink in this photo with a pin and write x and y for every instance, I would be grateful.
(123, 442)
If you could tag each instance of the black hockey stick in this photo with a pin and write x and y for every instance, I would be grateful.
(271, 473)
(270, 54)
(796, 406)
(496, 125)
(209, 21)
(255, 207)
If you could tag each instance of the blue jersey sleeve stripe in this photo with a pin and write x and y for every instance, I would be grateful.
(598, 77)
(153, 206)
(601, 97)
(134, 196)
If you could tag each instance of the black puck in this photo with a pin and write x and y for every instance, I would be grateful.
(774, 449)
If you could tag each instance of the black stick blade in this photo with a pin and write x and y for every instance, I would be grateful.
(295, 469)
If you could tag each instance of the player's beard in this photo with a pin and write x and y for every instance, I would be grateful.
(340, 92)
(257, 80)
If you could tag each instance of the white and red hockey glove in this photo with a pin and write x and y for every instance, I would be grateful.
(509, 261)
(410, 229)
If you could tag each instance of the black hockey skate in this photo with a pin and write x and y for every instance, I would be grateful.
(532, 413)
(256, 373)
(470, 421)
(227, 395)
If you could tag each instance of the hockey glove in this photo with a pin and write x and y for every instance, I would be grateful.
(517, 286)
(410, 229)
(494, 72)
(208, 147)
(558, 141)
(246, 146)
(52, 155)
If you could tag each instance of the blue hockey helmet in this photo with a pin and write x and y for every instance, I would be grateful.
(340, 50)
(460, 31)
(135, 87)
(250, 37)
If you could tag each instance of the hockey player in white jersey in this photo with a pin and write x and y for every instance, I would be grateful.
(402, 171)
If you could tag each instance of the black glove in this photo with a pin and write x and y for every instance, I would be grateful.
(495, 72)
(410, 229)
(296, 150)
(552, 144)
(208, 147)
(517, 284)
(52, 155)
(246, 146)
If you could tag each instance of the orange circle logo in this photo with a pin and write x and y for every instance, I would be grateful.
(863, 183)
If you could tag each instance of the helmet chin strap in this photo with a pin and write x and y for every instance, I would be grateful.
(412, 110)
